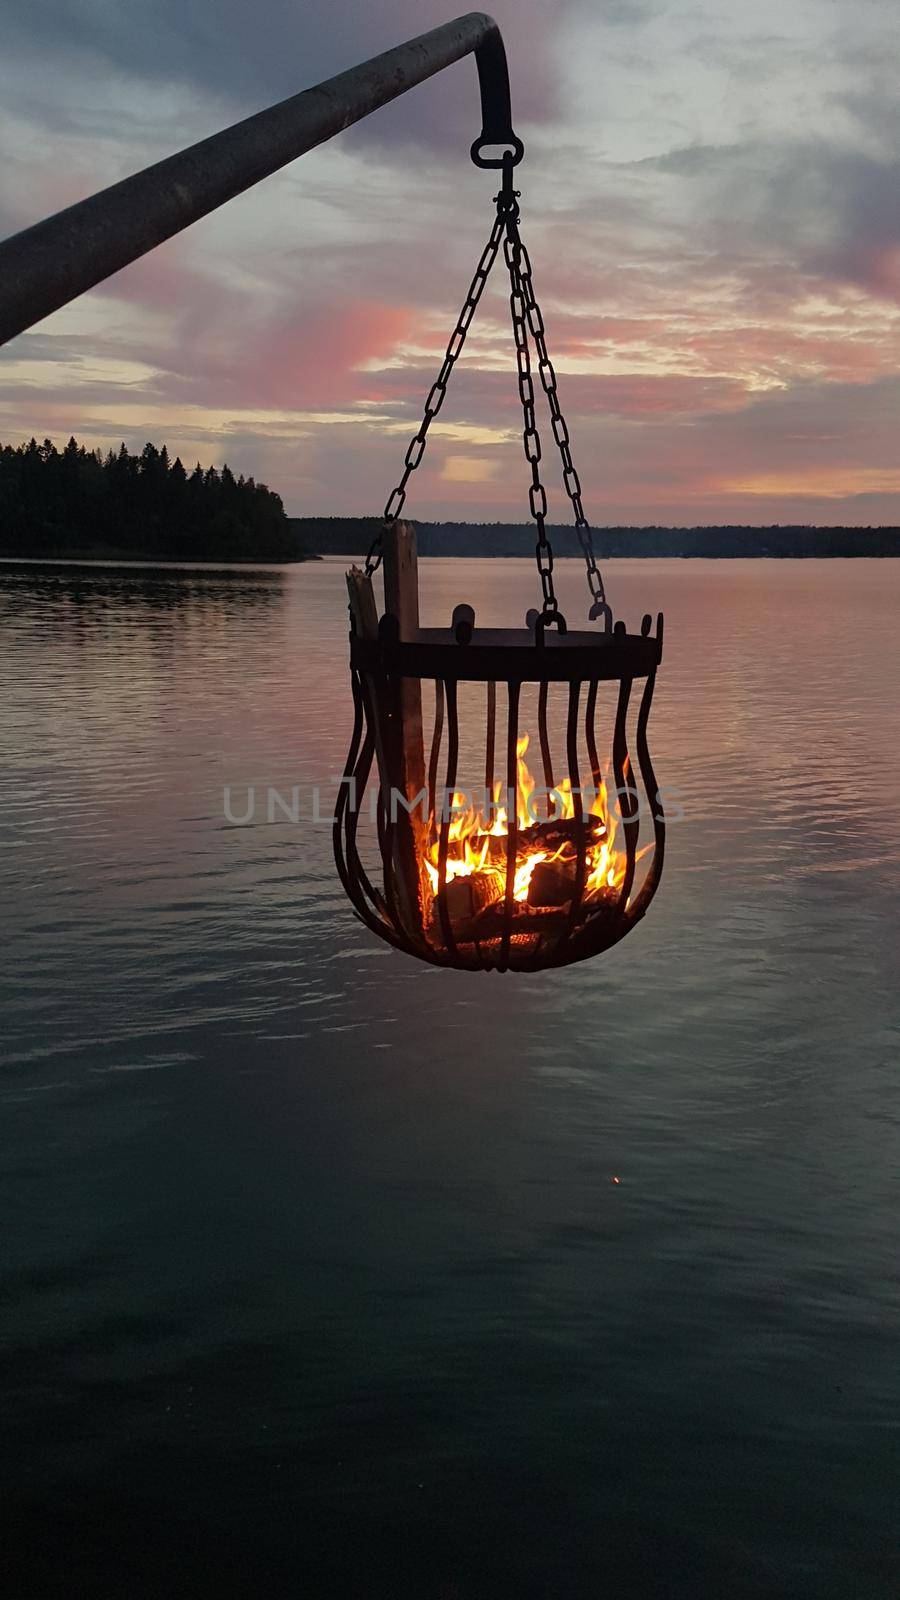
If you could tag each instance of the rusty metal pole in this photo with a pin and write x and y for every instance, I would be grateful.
(48, 265)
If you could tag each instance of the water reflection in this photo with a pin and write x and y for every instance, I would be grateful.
(315, 1234)
(39, 586)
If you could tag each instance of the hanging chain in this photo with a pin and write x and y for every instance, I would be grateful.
(439, 388)
(571, 482)
(526, 317)
(537, 495)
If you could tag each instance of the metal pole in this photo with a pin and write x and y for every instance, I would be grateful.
(51, 263)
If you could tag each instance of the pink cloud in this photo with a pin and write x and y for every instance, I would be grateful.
(312, 358)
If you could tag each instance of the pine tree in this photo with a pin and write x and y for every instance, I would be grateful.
(52, 502)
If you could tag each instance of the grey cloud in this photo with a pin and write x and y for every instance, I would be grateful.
(622, 13)
(825, 209)
(817, 422)
(257, 54)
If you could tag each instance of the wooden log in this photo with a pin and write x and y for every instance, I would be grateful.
(401, 576)
(525, 919)
(547, 836)
(364, 613)
(550, 835)
(552, 883)
(466, 897)
(401, 600)
(363, 609)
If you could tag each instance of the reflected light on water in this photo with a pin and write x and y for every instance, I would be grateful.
(306, 1228)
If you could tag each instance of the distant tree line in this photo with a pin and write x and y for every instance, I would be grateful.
(80, 502)
(352, 536)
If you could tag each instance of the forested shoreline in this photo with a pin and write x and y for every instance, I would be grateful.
(78, 502)
(352, 536)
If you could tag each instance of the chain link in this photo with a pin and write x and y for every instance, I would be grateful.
(435, 399)
(571, 482)
(537, 496)
(526, 318)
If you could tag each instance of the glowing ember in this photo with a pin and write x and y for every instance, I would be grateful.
(474, 848)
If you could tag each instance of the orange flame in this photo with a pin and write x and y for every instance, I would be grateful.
(470, 837)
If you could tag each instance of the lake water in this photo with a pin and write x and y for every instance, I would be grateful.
(317, 1281)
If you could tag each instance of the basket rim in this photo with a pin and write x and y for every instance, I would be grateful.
(509, 654)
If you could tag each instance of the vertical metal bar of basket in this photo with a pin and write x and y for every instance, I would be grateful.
(590, 734)
(490, 737)
(361, 774)
(544, 736)
(512, 821)
(449, 788)
(431, 830)
(337, 830)
(435, 753)
(580, 828)
(375, 916)
(625, 799)
(648, 776)
(386, 828)
(346, 812)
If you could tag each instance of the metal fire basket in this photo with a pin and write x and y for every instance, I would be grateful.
(519, 879)
(567, 676)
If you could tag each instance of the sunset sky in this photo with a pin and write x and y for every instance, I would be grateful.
(710, 194)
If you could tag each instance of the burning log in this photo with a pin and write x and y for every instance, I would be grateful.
(550, 858)
(467, 897)
(526, 919)
(549, 837)
(552, 883)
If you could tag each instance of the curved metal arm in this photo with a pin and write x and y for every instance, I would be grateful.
(496, 113)
(50, 264)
